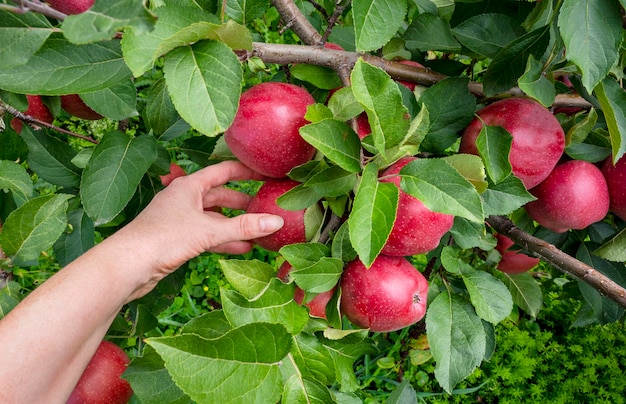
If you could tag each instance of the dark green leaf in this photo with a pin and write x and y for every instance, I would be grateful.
(490, 297)
(14, 178)
(535, 84)
(428, 32)
(525, 291)
(612, 98)
(77, 240)
(319, 76)
(116, 102)
(332, 182)
(505, 197)
(487, 34)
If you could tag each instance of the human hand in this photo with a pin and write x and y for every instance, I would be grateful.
(179, 224)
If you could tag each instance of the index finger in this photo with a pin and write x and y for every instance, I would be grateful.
(219, 174)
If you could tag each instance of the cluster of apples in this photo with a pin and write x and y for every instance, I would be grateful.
(570, 194)
(391, 293)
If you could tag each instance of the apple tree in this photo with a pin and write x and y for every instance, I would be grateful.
(100, 108)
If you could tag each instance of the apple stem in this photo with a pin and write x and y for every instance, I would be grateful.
(560, 260)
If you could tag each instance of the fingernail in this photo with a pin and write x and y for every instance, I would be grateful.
(271, 223)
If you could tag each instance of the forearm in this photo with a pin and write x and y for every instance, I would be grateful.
(51, 336)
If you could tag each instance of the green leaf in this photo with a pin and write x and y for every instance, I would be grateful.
(490, 297)
(404, 393)
(77, 240)
(151, 382)
(298, 197)
(535, 84)
(344, 105)
(104, 19)
(579, 131)
(312, 359)
(244, 11)
(242, 366)
(450, 108)
(612, 98)
(471, 167)
(303, 255)
(487, 34)
(320, 277)
(380, 96)
(34, 227)
(248, 277)
(19, 44)
(159, 113)
(494, 146)
(592, 32)
(506, 197)
(614, 249)
(441, 188)
(116, 102)
(10, 296)
(525, 291)
(376, 21)
(509, 64)
(373, 215)
(14, 178)
(457, 339)
(60, 67)
(320, 76)
(303, 390)
(345, 351)
(342, 247)
(332, 182)
(51, 158)
(204, 81)
(428, 32)
(199, 148)
(275, 305)
(337, 141)
(113, 174)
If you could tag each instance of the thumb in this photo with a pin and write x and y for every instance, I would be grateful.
(253, 225)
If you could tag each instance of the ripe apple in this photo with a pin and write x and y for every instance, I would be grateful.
(37, 109)
(317, 305)
(101, 383)
(417, 229)
(175, 172)
(513, 261)
(74, 105)
(388, 296)
(538, 138)
(71, 6)
(574, 195)
(293, 231)
(265, 133)
(615, 176)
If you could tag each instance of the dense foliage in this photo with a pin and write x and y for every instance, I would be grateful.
(167, 77)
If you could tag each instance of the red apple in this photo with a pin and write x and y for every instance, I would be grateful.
(513, 261)
(265, 132)
(615, 176)
(388, 296)
(538, 138)
(74, 105)
(36, 109)
(317, 305)
(264, 201)
(175, 172)
(574, 195)
(417, 229)
(101, 383)
(71, 6)
(363, 126)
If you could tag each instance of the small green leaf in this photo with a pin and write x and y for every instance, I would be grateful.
(34, 227)
(404, 393)
(298, 197)
(244, 11)
(116, 102)
(14, 178)
(312, 359)
(614, 249)
(429, 32)
(76, 241)
(114, 172)
(320, 76)
(337, 141)
(303, 255)
(612, 98)
(535, 84)
(319, 277)
(332, 182)
(204, 81)
(487, 34)
(304, 390)
(345, 351)
(376, 21)
(242, 366)
(441, 188)
(471, 167)
(344, 105)
(457, 339)
(579, 131)
(275, 305)
(248, 277)
(494, 146)
(525, 291)
(10, 296)
(373, 215)
(506, 197)
(490, 297)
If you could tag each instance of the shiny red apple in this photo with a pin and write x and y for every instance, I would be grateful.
(264, 201)
(317, 305)
(36, 109)
(265, 133)
(538, 138)
(175, 172)
(71, 6)
(101, 383)
(74, 105)
(615, 176)
(417, 229)
(513, 261)
(574, 195)
(388, 296)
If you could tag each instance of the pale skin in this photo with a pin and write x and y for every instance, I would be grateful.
(48, 339)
